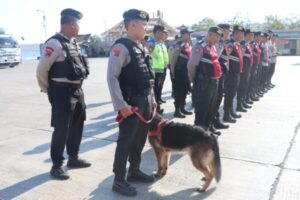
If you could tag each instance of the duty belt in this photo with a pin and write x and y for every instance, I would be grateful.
(66, 84)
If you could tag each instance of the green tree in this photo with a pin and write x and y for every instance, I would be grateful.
(292, 22)
(204, 25)
(274, 22)
(239, 19)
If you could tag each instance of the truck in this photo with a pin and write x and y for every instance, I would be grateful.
(10, 51)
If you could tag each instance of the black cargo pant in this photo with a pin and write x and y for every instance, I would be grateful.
(181, 86)
(259, 77)
(271, 72)
(244, 83)
(220, 95)
(264, 76)
(132, 137)
(68, 115)
(205, 92)
(252, 80)
(232, 81)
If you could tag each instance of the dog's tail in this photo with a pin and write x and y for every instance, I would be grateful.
(216, 165)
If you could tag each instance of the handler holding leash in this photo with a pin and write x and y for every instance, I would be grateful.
(131, 80)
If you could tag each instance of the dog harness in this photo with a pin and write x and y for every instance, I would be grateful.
(157, 132)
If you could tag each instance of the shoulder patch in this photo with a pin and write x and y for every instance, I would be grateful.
(48, 51)
(117, 51)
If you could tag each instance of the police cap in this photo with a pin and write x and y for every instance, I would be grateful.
(248, 31)
(224, 26)
(159, 28)
(216, 29)
(185, 30)
(71, 12)
(135, 14)
(238, 28)
(256, 33)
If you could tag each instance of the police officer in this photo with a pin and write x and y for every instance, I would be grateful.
(245, 75)
(160, 59)
(178, 66)
(60, 73)
(130, 80)
(265, 63)
(232, 78)
(224, 62)
(205, 70)
(274, 54)
(251, 93)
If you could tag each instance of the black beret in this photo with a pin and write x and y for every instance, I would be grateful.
(270, 31)
(257, 33)
(224, 26)
(159, 28)
(71, 12)
(275, 35)
(185, 30)
(135, 14)
(248, 31)
(216, 29)
(238, 28)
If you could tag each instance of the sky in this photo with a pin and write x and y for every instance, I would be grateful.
(21, 18)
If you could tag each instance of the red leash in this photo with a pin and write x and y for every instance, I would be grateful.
(134, 109)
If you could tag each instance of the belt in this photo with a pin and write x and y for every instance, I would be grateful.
(72, 85)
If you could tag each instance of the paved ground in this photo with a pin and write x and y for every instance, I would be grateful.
(260, 154)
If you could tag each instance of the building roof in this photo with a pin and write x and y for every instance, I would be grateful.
(119, 30)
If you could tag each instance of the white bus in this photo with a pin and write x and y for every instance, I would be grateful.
(10, 51)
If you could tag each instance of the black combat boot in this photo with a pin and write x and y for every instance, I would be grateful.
(253, 97)
(121, 186)
(240, 106)
(214, 130)
(244, 103)
(228, 118)
(75, 162)
(184, 111)
(248, 101)
(59, 173)
(220, 125)
(178, 113)
(139, 176)
(234, 114)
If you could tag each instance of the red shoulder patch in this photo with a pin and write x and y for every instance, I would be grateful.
(117, 51)
(48, 51)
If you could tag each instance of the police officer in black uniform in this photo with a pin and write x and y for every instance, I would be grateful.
(224, 62)
(251, 93)
(242, 101)
(232, 78)
(131, 79)
(60, 73)
(205, 70)
(178, 63)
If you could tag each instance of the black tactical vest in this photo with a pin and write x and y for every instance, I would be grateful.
(180, 68)
(234, 59)
(137, 77)
(75, 65)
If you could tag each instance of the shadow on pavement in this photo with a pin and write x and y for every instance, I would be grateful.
(17, 189)
(93, 105)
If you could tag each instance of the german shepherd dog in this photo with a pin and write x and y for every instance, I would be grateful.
(202, 147)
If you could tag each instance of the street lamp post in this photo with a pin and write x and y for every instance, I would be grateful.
(44, 22)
